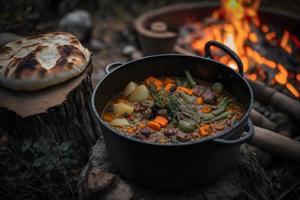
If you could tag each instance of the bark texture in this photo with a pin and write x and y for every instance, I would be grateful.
(246, 180)
(72, 119)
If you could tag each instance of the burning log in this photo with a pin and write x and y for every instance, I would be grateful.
(253, 185)
(279, 101)
(260, 120)
(276, 144)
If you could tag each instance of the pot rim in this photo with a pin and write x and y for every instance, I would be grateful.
(206, 139)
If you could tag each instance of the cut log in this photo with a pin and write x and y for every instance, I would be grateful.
(260, 120)
(63, 111)
(276, 144)
(246, 180)
(281, 102)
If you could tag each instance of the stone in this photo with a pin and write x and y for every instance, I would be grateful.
(78, 23)
(128, 50)
(99, 180)
(105, 186)
(136, 55)
(6, 37)
(96, 44)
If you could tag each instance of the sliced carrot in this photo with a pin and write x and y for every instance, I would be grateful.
(152, 80)
(206, 109)
(154, 125)
(141, 125)
(185, 90)
(168, 81)
(108, 117)
(169, 86)
(199, 101)
(130, 130)
(205, 130)
(161, 120)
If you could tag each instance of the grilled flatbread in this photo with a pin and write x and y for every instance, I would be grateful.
(37, 62)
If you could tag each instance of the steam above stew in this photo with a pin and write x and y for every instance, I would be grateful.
(168, 110)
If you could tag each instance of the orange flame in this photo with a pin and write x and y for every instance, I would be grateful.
(236, 32)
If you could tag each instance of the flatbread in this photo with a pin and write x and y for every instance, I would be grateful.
(37, 62)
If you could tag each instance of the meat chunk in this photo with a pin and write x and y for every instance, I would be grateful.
(199, 90)
(183, 137)
(170, 132)
(209, 97)
(146, 131)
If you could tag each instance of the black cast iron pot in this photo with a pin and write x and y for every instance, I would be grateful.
(175, 165)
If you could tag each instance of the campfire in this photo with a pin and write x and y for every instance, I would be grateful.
(269, 53)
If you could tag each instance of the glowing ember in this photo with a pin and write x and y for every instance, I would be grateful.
(238, 25)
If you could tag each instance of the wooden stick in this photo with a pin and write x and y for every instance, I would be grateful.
(278, 100)
(276, 144)
(260, 120)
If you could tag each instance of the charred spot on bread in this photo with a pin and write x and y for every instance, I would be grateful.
(28, 63)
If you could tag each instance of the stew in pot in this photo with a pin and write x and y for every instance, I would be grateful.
(172, 109)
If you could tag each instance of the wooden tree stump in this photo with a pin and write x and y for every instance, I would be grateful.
(63, 111)
(246, 180)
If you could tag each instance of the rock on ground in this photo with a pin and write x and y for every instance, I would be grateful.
(78, 23)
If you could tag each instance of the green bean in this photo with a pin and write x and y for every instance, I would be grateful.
(224, 115)
(222, 107)
(190, 79)
(187, 97)
(206, 116)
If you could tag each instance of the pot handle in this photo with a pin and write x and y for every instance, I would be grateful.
(109, 68)
(227, 50)
(244, 138)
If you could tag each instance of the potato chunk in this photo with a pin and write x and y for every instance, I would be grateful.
(119, 109)
(139, 94)
(119, 122)
(129, 88)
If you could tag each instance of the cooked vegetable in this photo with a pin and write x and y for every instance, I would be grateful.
(161, 120)
(206, 109)
(199, 101)
(129, 88)
(172, 110)
(186, 126)
(168, 81)
(190, 79)
(108, 117)
(185, 90)
(223, 115)
(154, 125)
(119, 109)
(205, 130)
(170, 86)
(187, 97)
(139, 94)
(151, 80)
(222, 106)
(119, 122)
(217, 87)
